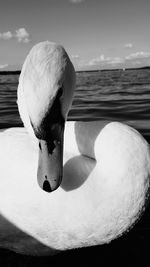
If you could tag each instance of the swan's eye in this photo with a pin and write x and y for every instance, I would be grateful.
(40, 146)
(60, 92)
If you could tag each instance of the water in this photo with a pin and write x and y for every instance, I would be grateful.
(115, 95)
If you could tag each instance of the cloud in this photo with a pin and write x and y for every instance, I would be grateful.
(102, 60)
(99, 60)
(6, 35)
(75, 56)
(128, 45)
(21, 35)
(76, 1)
(138, 55)
(116, 60)
(3, 66)
(137, 59)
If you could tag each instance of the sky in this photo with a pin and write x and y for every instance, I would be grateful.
(96, 34)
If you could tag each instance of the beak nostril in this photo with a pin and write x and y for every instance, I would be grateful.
(46, 186)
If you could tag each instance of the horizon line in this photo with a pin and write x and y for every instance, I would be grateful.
(96, 70)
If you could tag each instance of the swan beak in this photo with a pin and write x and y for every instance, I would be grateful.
(50, 164)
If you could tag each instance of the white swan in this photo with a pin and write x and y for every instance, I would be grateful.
(105, 183)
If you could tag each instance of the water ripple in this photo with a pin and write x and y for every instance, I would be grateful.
(100, 95)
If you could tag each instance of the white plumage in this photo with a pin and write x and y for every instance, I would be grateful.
(105, 184)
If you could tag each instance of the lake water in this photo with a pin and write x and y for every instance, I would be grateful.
(115, 95)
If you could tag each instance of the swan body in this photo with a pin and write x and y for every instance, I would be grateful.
(106, 168)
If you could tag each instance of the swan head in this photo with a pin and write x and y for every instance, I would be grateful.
(45, 92)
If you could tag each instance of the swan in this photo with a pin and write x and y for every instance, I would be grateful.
(102, 188)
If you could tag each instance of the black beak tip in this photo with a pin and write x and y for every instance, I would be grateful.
(46, 186)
